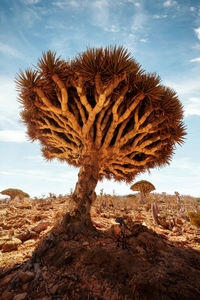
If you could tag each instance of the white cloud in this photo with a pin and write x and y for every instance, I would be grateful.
(197, 59)
(192, 8)
(135, 2)
(193, 107)
(9, 51)
(16, 136)
(197, 31)
(9, 107)
(160, 16)
(169, 3)
(188, 91)
(31, 1)
(65, 3)
(100, 13)
(138, 21)
(112, 28)
(143, 40)
(185, 87)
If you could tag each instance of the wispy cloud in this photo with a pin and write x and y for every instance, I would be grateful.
(197, 59)
(31, 1)
(100, 13)
(143, 40)
(188, 91)
(169, 3)
(138, 21)
(192, 8)
(9, 51)
(8, 103)
(197, 31)
(65, 3)
(193, 107)
(15, 136)
(135, 2)
(185, 87)
(160, 16)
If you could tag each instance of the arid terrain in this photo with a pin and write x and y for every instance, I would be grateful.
(158, 262)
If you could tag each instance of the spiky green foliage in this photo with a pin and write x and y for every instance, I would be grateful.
(15, 193)
(101, 110)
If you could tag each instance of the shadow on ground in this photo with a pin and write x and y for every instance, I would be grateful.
(91, 266)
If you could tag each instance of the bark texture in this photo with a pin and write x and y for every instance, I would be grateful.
(84, 194)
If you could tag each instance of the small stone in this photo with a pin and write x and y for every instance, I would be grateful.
(78, 237)
(26, 276)
(16, 240)
(2, 233)
(179, 222)
(7, 295)
(85, 243)
(53, 290)
(42, 226)
(22, 296)
(25, 287)
(26, 235)
(11, 245)
(176, 229)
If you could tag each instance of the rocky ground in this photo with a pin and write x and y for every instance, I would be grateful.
(158, 262)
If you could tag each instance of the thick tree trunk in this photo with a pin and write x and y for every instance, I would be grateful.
(142, 197)
(79, 218)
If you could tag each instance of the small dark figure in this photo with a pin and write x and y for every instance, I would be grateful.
(123, 233)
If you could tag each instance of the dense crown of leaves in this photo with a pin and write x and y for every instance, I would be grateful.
(143, 186)
(101, 109)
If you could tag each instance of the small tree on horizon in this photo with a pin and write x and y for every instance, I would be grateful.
(144, 187)
(102, 113)
(12, 193)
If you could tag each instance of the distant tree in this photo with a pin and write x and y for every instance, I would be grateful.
(178, 199)
(102, 113)
(194, 218)
(15, 193)
(144, 187)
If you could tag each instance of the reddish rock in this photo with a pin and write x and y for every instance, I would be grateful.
(7, 295)
(26, 235)
(26, 276)
(42, 226)
(176, 229)
(22, 296)
(11, 245)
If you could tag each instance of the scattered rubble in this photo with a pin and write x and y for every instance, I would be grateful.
(96, 266)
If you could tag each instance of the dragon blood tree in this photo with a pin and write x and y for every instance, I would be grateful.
(144, 187)
(100, 112)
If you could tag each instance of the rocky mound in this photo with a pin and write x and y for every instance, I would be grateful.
(93, 267)
(36, 263)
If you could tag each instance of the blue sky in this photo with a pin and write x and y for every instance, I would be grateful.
(162, 35)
